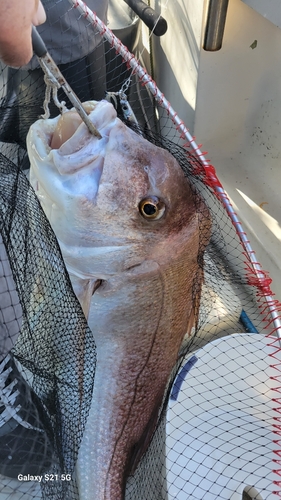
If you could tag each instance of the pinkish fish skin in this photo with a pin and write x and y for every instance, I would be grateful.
(138, 279)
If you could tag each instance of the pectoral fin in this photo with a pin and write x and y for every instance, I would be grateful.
(84, 290)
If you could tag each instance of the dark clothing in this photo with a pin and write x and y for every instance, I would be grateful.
(79, 53)
(66, 33)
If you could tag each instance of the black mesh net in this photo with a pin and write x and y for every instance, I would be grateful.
(215, 436)
(53, 344)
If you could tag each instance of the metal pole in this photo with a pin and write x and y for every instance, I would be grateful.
(215, 24)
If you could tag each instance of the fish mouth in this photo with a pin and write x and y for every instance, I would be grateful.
(65, 172)
(66, 140)
(78, 148)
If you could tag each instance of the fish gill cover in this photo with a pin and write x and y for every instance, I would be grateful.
(47, 351)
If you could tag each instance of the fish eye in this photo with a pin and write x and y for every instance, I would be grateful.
(151, 208)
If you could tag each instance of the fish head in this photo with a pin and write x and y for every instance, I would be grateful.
(116, 201)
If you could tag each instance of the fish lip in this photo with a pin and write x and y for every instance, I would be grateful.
(67, 164)
(82, 145)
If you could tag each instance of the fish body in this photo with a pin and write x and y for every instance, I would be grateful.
(128, 225)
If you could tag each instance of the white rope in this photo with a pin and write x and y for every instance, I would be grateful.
(52, 87)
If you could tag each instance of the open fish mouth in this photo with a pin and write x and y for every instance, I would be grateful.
(64, 147)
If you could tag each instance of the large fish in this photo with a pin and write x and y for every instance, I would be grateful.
(131, 232)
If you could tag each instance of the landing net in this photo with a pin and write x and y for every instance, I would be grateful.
(218, 432)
